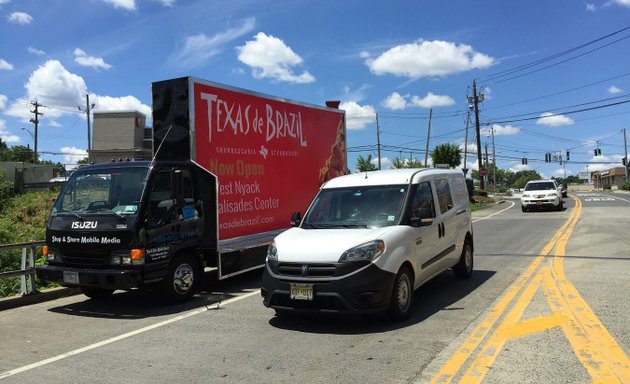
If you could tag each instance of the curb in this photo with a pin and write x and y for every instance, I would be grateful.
(37, 297)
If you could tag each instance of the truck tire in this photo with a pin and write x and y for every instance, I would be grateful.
(96, 293)
(181, 279)
(401, 302)
(464, 267)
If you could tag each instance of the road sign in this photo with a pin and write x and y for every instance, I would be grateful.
(483, 171)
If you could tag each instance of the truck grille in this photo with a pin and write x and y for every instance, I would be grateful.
(93, 258)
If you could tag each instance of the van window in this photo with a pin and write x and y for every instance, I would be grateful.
(422, 205)
(444, 194)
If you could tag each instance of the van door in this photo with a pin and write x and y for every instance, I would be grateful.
(426, 237)
(447, 218)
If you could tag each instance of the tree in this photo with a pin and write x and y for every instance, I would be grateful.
(406, 163)
(447, 154)
(365, 164)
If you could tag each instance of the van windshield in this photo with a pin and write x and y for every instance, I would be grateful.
(115, 191)
(356, 207)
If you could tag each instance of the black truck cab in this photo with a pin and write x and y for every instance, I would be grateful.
(133, 224)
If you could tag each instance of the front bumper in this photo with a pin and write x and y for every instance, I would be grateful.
(100, 278)
(529, 202)
(366, 291)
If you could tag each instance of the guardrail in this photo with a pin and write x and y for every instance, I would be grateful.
(27, 271)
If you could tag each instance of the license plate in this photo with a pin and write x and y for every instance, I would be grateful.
(539, 203)
(301, 291)
(71, 277)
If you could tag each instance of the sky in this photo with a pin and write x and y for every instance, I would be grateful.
(555, 75)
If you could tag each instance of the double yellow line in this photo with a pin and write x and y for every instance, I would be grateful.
(597, 350)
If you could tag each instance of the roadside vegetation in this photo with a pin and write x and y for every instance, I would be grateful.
(22, 219)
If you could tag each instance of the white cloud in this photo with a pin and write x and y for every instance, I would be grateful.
(6, 136)
(591, 7)
(501, 130)
(36, 51)
(396, 101)
(81, 58)
(432, 100)
(270, 57)
(386, 162)
(5, 65)
(129, 5)
(3, 101)
(519, 167)
(358, 116)
(60, 91)
(20, 18)
(71, 155)
(613, 90)
(623, 3)
(167, 3)
(197, 49)
(428, 59)
(553, 120)
(125, 103)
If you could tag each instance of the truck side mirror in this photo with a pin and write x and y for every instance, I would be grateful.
(296, 219)
(177, 180)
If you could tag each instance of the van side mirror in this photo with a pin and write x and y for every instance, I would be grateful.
(296, 219)
(418, 222)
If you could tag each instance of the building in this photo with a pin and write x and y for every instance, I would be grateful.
(615, 176)
(121, 135)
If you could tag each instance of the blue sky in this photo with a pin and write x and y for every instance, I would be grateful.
(395, 59)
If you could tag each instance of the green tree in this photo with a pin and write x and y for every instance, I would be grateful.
(365, 164)
(447, 153)
(406, 163)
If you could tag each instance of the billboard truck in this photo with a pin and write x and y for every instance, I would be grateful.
(230, 166)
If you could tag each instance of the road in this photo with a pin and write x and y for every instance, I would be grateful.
(548, 302)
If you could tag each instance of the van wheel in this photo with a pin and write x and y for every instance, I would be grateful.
(181, 280)
(523, 209)
(464, 267)
(401, 301)
(560, 206)
(96, 293)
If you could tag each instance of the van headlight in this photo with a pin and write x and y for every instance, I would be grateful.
(272, 253)
(368, 251)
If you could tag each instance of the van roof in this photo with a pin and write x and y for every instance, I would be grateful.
(388, 177)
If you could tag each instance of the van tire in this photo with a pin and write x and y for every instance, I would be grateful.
(181, 280)
(401, 302)
(96, 293)
(464, 267)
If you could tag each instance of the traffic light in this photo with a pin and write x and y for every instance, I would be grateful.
(547, 157)
(567, 158)
(597, 151)
(524, 161)
(623, 161)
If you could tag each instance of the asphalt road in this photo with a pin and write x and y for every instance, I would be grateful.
(548, 302)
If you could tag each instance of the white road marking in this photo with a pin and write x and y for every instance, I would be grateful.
(125, 335)
(496, 213)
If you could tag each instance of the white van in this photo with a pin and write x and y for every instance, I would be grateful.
(369, 240)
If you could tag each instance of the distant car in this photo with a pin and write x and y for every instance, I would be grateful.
(60, 179)
(563, 190)
(541, 194)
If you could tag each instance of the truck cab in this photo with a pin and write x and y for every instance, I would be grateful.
(136, 224)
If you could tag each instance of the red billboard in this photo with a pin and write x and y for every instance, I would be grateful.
(270, 155)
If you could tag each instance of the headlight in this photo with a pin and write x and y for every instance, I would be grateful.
(127, 257)
(367, 251)
(552, 194)
(272, 253)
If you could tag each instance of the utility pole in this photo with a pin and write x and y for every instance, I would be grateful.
(426, 153)
(482, 183)
(625, 149)
(35, 121)
(487, 160)
(466, 142)
(88, 109)
(378, 142)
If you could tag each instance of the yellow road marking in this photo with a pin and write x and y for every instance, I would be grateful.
(596, 349)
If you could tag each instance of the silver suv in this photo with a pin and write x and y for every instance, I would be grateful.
(541, 194)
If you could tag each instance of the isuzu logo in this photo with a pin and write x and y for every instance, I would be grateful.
(83, 225)
(305, 270)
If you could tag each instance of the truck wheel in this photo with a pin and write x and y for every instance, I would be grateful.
(96, 293)
(401, 302)
(464, 267)
(181, 280)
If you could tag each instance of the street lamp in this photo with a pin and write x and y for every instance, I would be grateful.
(32, 137)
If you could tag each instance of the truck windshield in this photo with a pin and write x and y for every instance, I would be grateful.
(356, 207)
(103, 191)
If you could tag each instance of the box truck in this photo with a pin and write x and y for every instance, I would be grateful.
(229, 167)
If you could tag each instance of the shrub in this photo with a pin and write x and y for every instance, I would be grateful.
(626, 187)
(607, 187)
(480, 192)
